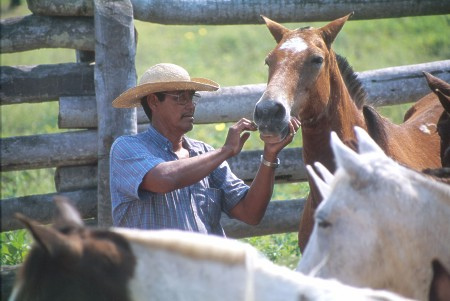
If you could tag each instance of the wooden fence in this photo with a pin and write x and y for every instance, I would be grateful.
(103, 31)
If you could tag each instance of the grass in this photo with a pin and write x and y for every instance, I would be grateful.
(231, 55)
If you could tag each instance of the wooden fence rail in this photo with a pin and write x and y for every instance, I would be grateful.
(222, 12)
(387, 86)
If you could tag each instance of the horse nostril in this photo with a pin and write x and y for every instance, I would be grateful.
(269, 110)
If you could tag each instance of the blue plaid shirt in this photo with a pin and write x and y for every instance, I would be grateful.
(193, 208)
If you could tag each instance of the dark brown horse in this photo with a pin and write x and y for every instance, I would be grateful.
(442, 90)
(309, 81)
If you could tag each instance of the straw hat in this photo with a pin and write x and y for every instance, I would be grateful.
(160, 78)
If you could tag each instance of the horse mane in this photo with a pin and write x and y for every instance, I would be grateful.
(354, 85)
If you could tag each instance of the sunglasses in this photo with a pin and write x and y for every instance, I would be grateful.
(185, 97)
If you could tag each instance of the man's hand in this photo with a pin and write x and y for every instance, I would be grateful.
(235, 141)
(271, 150)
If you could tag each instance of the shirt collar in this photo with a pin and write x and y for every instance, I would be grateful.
(160, 139)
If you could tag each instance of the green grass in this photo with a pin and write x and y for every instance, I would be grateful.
(230, 55)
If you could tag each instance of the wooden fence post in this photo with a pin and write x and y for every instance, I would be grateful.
(115, 50)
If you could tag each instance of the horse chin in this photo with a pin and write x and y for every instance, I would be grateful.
(274, 138)
(270, 138)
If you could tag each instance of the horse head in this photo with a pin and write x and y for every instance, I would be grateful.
(442, 90)
(70, 262)
(359, 235)
(298, 83)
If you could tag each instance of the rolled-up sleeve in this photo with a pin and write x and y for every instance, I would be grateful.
(130, 161)
(234, 189)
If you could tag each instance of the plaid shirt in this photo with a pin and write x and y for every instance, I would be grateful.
(193, 208)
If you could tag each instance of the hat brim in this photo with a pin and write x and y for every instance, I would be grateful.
(132, 97)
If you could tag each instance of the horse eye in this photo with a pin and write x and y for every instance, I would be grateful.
(324, 224)
(317, 60)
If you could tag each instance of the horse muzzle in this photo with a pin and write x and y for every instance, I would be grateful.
(272, 120)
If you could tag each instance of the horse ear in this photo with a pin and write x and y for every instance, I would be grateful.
(277, 30)
(51, 240)
(331, 30)
(68, 216)
(444, 99)
(324, 172)
(365, 142)
(323, 187)
(440, 88)
(346, 158)
(440, 284)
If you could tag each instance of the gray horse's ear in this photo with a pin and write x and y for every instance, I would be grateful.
(277, 30)
(323, 187)
(366, 143)
(347, 159)
(331, 30)
(324, 172)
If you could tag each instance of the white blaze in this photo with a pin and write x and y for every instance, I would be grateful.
(294, 44)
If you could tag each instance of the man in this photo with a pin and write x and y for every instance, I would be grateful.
(163, 179)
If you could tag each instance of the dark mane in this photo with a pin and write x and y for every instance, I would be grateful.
(354, 85)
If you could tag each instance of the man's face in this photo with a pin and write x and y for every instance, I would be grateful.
(176, 112)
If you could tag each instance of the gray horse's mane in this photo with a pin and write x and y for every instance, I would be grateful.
(354, 85)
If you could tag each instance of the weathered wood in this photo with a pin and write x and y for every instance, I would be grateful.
(49, 150)
(244, 165)
(280, 217)
(61, 7)
(41, 207)
(85, 56)
(385, 86)
(34, 32)
(8, 276)
(393, 85)
(78, 148)
(71, 178)
(21, 84)
(247, 12)
(115, 72)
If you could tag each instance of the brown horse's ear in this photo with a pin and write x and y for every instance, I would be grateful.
(436, 83)
(376, 126)
(331, 30)
(277, 30)
(440, 88)
(49, 239)
(444, 99)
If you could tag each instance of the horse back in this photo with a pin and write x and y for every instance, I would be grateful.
(415, 142)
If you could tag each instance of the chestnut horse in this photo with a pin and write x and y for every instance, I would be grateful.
(309, 81)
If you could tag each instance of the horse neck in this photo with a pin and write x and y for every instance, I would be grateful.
(338, 113)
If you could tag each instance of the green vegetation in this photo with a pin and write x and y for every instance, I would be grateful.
(231, 55)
